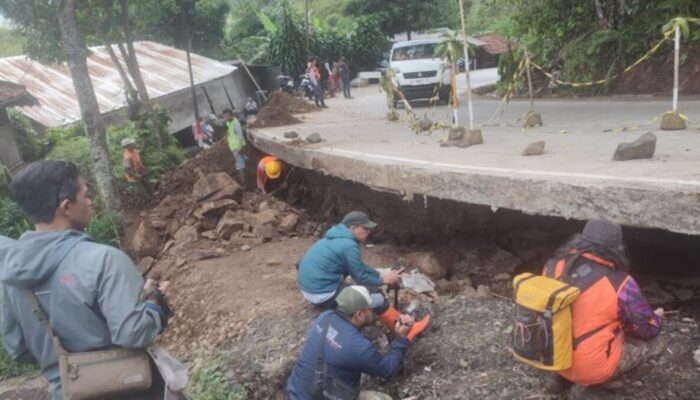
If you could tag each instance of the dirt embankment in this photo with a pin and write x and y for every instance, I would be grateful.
(230, 253)
(279, 110)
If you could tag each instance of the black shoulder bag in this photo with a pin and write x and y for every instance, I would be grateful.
(326, 386)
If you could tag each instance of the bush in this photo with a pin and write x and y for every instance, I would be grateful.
(10, 369)
(29, 145)
(13, 222)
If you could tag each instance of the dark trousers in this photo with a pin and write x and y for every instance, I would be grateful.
(346, 87)
(330, 304)
(318, 94)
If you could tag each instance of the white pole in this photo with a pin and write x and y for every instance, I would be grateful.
(466, 67)
(676, 62)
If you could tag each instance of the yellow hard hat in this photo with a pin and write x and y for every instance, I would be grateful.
(273, 169)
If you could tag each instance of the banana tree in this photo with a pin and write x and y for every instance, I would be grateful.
(451, 49)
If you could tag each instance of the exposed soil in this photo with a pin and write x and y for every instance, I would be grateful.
(279, 110)
(656, 77)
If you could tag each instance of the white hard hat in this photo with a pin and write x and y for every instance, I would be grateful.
(127, 142)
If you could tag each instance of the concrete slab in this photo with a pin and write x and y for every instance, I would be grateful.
(574, 178)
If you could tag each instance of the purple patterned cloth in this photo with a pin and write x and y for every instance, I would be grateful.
(635, 313)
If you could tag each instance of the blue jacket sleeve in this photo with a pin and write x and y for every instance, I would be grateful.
(361, 273)
(373, 363)
(12, 335)
(132, 323)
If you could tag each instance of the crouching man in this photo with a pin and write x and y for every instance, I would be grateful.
(336, 353)
(336, 256)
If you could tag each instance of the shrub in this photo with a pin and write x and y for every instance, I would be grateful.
(211, 383)
(12, 220)
(29, 145)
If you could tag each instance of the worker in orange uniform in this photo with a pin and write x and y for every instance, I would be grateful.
(134, 170)
(269, 169)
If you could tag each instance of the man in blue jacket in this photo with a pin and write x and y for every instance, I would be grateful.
(93, 294)
(344, 350)
(329, 261)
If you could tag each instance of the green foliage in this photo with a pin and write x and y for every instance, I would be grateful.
(399, 16)
(28, 143)
(211, 383)
(287, 47)
(11, 43)
(585, 45)
(11, 369)
(367, 43)
(37, 23)
(171, 21)
(105, 229)
(13, 223)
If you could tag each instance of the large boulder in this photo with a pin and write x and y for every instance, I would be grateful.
(229, 224)
(217, 186)
(145, 241)
(214, 208)
(186, 233)
(264, 217)
(288, 223)
(427, 263)
(672, 121)
(644, 147)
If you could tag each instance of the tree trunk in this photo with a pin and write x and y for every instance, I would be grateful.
(601, 15)
(132, 62)
(76, 55)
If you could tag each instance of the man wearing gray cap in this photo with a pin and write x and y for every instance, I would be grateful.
(336, 353)
(329, 261)
(614, 327)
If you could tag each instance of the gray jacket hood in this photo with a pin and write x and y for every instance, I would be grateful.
(35, 256)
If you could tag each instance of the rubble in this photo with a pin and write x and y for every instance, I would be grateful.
(145, 241)
(427, 263)
(217, 186)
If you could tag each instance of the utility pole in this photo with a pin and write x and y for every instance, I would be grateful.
(466, 66)
(189, 67)
(307, 28)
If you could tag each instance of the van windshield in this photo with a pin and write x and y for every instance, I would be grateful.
(417, 52)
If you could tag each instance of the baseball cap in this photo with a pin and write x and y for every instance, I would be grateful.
(355, 298)
(359, 218)
(606, 233)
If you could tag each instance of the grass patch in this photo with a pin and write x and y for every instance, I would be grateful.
(213, 383)
(11, 369)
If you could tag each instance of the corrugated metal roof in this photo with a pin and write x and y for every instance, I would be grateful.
(13, 94)
(164, 71)
(496, 44)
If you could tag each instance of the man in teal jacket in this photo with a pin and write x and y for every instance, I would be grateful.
(336, 256)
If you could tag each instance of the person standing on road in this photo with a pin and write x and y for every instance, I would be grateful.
(336, 348)
(314, 75)
(614, 327)
(236, 140)
(344, 72)
(93, 294)
(337, 255)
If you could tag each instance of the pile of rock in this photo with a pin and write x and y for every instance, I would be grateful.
(217, 214)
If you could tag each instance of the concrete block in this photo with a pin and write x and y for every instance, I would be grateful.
(672, 121)
(474, 137)
(532, 120)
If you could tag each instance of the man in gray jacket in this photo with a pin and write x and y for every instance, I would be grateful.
(93, 294)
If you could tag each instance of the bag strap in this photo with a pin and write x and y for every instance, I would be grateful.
(61, 251)
(44, 320)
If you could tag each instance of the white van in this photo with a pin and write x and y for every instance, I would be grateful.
(418, 72)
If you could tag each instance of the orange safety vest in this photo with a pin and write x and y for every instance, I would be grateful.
(598, 337)
(262, 177)
(132, 159)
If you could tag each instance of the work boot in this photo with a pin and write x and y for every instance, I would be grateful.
(556, 383)
(418, 328)
(389, 317)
